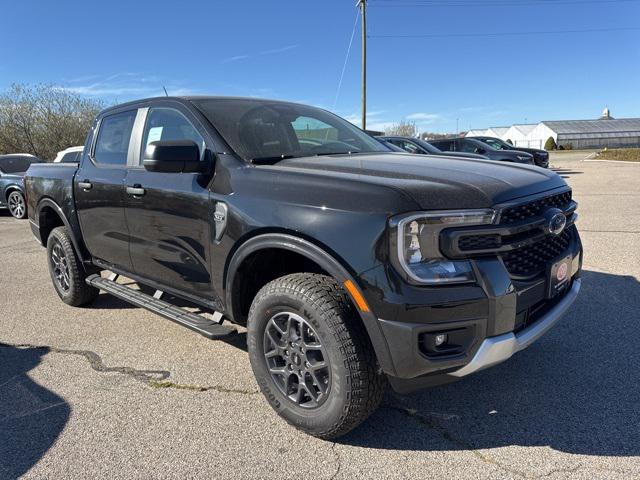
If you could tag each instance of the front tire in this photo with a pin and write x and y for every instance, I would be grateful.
(66, 271)
(17, 204)
(311, 356)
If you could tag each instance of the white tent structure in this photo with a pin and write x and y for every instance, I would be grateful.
(606, 131)
(477, 133)
(518, 134)
(496, 131)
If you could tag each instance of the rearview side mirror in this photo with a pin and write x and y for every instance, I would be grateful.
(173, 156)
(480, 151)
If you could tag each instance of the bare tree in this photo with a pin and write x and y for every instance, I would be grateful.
(403, 128)
(44, 119)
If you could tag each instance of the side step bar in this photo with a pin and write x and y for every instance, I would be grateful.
(195, 322)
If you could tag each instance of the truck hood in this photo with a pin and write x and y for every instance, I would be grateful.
(434, 182)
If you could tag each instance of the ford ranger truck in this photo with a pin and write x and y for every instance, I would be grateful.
(352, 266)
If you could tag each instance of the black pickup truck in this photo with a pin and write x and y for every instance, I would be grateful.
(352, 266)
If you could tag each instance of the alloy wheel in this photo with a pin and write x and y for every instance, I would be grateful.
(60, 267)
(297, 360)
(16, 205)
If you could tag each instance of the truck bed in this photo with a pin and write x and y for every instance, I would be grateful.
(50, 182)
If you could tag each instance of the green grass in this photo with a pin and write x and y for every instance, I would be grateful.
(624, 154)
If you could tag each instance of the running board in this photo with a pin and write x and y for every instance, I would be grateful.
(193, 321)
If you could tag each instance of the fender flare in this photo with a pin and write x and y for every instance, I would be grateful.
(48, 202)
(328, 263)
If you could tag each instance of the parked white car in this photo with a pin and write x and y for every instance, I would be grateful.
(69, 155)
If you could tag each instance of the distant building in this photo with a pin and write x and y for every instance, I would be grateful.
(603, 132)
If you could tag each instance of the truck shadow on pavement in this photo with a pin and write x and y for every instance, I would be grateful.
(31, 417)
(576, 390)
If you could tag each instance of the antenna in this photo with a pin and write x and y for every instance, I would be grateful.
(165, 91)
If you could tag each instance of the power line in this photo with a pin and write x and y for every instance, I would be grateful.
(506, 34)
(489, 3)
(346, 58)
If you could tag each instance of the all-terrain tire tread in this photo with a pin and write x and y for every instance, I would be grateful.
(365, 385)
(80, 293)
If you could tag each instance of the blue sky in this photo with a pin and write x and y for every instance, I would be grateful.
(295, 50)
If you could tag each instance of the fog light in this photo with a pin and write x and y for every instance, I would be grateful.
(440, 339)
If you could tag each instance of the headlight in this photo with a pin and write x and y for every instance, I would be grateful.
(418, 251)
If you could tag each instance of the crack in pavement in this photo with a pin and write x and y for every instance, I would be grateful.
(447, 435)
(152, 378)
(338, 460)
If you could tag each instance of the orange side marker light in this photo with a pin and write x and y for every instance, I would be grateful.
(357, 296)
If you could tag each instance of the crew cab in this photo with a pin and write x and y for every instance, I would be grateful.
(352, 266)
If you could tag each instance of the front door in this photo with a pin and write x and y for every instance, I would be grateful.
(99, 191)
(168, 213)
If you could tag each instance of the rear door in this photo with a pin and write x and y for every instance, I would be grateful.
(168, 213)
(99, 190)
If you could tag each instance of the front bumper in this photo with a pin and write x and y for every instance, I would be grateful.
(494, 350)
(489, 320)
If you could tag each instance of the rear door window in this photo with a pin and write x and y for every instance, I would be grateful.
(444, 145)
(70, 157)
(112, 144)
(15, 164)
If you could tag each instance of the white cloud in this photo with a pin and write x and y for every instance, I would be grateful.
(424, 118)
(279, 50)
(125, 85)
(235, 58)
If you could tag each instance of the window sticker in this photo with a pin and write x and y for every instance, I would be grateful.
(155, 134)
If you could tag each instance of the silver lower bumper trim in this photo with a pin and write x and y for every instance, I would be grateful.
(494, 350)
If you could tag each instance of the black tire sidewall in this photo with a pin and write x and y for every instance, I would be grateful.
(311, 420)
(59, 237)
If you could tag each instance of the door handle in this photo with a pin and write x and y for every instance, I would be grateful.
(136, 191)
(86, 185)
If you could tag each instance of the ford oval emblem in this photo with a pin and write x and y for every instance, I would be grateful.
(556, 221)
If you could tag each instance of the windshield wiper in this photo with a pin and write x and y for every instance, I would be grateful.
(270, 160)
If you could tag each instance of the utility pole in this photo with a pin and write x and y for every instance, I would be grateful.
(363, 13)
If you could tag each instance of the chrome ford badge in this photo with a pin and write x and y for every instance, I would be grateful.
(556, 220)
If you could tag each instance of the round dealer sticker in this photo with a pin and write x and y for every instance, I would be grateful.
(561, 274)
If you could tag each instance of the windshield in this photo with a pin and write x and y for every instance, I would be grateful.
(15, 164)
(497, 144)
(428, 147)
(262, 130)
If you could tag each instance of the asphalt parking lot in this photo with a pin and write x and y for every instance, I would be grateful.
(114, 391)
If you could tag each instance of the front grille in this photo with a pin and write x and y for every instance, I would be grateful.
(479, 242)
(533, 259)
(535, 208)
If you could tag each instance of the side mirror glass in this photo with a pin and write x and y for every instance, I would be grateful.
(172, 156)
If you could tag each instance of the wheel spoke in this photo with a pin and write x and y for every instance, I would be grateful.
(296, 359)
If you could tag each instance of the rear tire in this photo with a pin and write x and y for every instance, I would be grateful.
(303, 327)
(66, 271)
(17, 204)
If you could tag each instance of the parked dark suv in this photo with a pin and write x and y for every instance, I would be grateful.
(470, 145)
(422, 147)
(12, 170)
(352, 266)
(541, 157)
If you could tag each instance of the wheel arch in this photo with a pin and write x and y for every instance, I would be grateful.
(327, 261)
(50, 215)
(12, 188)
